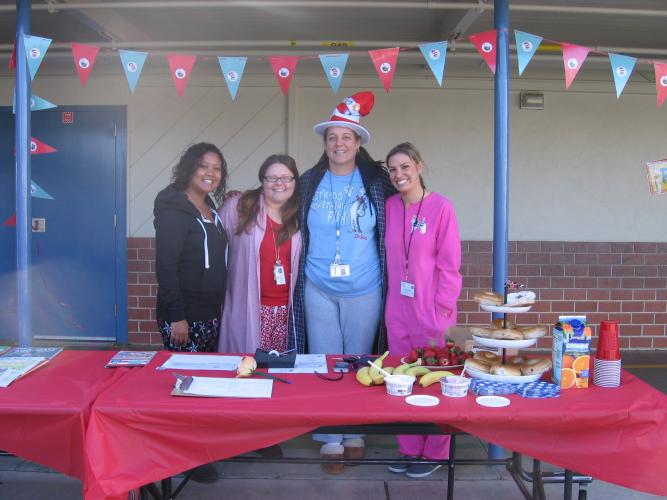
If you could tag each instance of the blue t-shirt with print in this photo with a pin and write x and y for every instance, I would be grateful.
(343, 198)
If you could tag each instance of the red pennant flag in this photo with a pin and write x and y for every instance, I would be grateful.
(283, 68)
(12, 59)
(84, 60)
(40, 148)
(661, 82)
(10, 222)
(486, 44)
(573, 59)
(384, 61)
(181, 68)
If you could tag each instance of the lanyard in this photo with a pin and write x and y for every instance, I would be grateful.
(406, 249)
(269, 224)
(338, 216)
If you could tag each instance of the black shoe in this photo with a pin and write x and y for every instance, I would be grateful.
(401, 467)
(274, 451)
(417, 471)
(204, 474)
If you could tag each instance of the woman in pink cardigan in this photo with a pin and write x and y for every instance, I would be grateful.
(264, 247)
(424, 281)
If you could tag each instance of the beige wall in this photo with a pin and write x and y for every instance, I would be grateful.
(576, 167)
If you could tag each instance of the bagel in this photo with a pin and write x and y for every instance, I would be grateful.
(516, 361)
(533, 332)
(487, 356)
(520, 299)
(506, 370)
(481, 331)
(498, 323)
(477, 365)
(533, 366)
(506, 334)
(488, 298)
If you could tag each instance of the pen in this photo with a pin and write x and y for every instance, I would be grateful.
(261, 374)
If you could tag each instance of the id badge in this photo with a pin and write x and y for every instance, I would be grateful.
(407, 289)
(279, 274)
(339, 270)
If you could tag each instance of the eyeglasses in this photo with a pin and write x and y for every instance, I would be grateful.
(285, 179)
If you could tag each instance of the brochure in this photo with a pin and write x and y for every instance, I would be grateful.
(131, 358)
(13, 368)
(31, 352)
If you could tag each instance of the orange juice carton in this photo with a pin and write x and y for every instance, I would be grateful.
(571, 352)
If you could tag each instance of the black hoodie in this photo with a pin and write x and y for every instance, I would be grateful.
(189, 259)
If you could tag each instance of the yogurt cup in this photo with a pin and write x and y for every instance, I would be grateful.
(399, 385)
(454, 386)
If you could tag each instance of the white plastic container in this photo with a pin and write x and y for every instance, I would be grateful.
(454, 386)
(399, 385)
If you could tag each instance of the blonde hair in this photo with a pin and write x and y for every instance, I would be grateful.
(411, 151)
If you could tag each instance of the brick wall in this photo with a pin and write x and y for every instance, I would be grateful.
(626, 282)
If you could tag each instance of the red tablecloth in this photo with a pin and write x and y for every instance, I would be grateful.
(138, 433)
(44, 415)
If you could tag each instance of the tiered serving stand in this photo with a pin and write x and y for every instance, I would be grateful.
(504, 345)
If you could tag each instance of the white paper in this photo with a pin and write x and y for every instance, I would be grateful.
(230, 387)
(13, 368)
(305, 363)
(200, 362)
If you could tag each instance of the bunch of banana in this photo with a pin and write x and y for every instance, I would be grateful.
(378, 378)
(433, 377)
(364, 376)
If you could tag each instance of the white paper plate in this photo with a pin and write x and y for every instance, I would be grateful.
(516, 344)
(422, 400)
(505, 309)
(510, 379)
(437, 367)
(492, 401)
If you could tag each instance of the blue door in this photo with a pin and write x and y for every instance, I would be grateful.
(78, 271)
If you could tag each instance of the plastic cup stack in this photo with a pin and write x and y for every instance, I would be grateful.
(607, 362)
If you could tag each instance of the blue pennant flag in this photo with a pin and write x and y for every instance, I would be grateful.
(133, 63)
(232, 71)
(334, 68)
(526, 46)
(35, 50)
(435, 54)
(36, 103)
(38, 192)
(621, 67)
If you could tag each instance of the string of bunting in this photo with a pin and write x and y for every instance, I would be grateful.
(384, 61)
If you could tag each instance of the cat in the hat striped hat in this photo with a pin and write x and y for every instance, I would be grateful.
(348, 114)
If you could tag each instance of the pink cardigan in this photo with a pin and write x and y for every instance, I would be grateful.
(239, 330)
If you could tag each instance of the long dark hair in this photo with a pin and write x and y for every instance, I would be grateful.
(182, 173)
(248, 206)
(411, 151)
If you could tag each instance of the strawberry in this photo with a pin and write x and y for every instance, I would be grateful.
(431, 361)
(429, 353)
(453, 358)
(443, 361)
(450, 343)
(412, 357)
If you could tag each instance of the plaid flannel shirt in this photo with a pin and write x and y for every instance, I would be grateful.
(379, 188)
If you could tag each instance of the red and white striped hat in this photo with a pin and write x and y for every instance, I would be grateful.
(348, 114)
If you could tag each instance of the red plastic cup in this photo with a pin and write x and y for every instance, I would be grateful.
(608, 342)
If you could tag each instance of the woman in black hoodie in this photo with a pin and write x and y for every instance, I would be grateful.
(190, 244)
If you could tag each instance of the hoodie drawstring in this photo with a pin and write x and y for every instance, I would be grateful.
(217, 221)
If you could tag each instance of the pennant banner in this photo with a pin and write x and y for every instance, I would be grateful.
(35, 49)
(181, 67)
(133, 63)
(36, 103)
(621, 68)
(661, 82)
(40, 148)
(283, 67)
(573, 58)
(38, 192)
(526, 46)
(486, 43)
(334, 68)
(232, 71)
(435, 54)
(384, 61)
(10, 221)
(84, 60)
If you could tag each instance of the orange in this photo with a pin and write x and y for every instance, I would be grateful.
(567, 361)
(568, 378)
(582, 383)
(581, 363)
